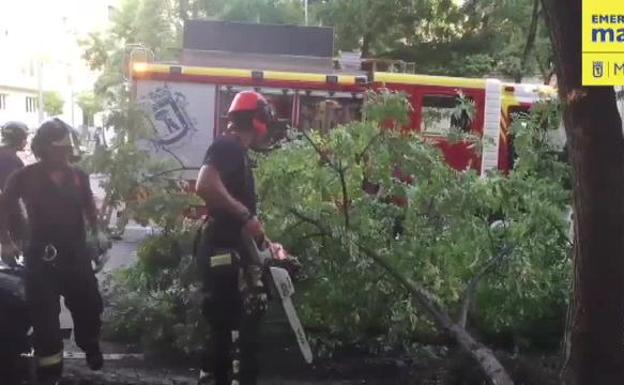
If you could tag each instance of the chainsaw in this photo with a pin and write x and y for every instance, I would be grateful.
(273, 257)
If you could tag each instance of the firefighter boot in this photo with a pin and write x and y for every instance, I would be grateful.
(94, 358)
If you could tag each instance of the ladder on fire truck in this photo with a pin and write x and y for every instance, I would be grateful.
(492, 125)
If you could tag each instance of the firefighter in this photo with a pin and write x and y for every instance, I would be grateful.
(14, 135)
(226, 184)
(58, 201)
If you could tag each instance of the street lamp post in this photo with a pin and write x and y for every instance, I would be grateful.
(40, 89)
(305, 8)
(71, 90)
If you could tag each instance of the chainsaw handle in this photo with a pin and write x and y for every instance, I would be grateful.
(258, 257)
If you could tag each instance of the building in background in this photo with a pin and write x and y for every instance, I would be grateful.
(39, 52)
(18, 79)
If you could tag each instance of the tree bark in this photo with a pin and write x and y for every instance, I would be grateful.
(183, 6)
(530, 43)
(596, 146)
(366, 41)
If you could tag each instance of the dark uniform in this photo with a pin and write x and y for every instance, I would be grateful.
(223, 305)
(57, 263)
(14, 135)
(9, 162)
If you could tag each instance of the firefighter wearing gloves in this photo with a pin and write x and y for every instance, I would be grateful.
(234, 295)
(59, 205)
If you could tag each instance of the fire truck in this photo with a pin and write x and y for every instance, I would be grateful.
(185, 102)
(186, 107)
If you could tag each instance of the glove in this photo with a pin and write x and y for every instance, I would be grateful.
(100, 242)
(98, 245)
(103, 241)
(281, 258)
(9, 253)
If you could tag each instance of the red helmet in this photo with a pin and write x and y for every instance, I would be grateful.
(251, 101)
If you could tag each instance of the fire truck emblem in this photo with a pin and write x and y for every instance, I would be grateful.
(170, 109)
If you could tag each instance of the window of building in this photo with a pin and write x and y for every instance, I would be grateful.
(3, 99)
(31, 104)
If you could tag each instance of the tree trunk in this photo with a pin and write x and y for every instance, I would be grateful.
(596, 146)
(366, 41)
(183, 6)
(530, 43)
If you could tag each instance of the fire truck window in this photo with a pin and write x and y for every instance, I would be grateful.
(440, 113)
(282, 105)
(225, 99)
(325, 113)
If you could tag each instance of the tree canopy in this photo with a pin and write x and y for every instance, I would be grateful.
(476, 38)
(53, 103)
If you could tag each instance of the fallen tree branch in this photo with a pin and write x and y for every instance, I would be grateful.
(360, 156)
(345, 196)
(471, 288)
(485, 358)
(489, 364)
(303, 217)
(324, 157)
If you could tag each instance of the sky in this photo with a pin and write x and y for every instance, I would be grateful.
(45, 24)
(49, 30)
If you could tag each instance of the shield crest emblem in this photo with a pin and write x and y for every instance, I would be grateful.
(169, 110)
(598, 69)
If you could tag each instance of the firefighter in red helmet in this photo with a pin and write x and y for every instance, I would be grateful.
(226, 184)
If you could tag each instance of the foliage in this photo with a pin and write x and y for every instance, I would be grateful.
(151, 23)
(139, 183)
(364, 24)
(442, 239)
(90, 104)
(318, 209)
(136, 182)
(52, 103)
(470, 38)
(263, 11)
(454, 226)
(157, 307)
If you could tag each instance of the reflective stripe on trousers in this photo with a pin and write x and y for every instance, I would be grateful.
(51, 360)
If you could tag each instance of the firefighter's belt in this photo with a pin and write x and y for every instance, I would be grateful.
(52, 360)
(221, 260)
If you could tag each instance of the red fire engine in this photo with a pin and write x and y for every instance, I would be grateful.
(186, 107)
